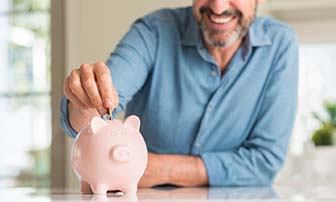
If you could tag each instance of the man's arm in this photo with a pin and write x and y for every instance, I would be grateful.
(260, 156)
(80, 118)
(187, 171)
(129, 65)
(180, 170)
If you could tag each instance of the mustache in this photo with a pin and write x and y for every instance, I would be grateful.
(227, 13)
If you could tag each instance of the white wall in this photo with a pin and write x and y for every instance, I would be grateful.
(94, 27)
(4, 23)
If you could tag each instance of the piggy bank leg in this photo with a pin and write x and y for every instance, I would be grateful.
(85, 187)
(131, 189)
(99, 188)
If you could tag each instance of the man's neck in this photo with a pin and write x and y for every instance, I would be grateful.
(223, 56)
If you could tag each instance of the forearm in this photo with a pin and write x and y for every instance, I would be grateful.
(183, 170)
(79, 118)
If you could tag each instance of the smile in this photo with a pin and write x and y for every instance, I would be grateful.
(220, 19)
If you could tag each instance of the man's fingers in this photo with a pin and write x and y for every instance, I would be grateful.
(71, 96)
(104, 81)
(115, 98)
(76, 88)
(89, 84)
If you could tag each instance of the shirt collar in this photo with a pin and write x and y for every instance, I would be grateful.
(192, 35)
(256, 35)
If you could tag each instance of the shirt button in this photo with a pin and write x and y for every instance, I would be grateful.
(210, 107)
(213, 73)
(198, 145)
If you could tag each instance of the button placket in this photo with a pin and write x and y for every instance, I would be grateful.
(210, 107)
(213, 73)
(198, 146)
(214, 80)
(219, 84)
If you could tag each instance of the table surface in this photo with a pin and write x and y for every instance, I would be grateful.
(235, 194)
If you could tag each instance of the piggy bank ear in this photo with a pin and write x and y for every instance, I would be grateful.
(132, 121)
(96, 124)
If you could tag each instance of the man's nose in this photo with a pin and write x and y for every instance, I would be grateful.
(218, 6)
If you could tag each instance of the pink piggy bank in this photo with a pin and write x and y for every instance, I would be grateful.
(110, 155)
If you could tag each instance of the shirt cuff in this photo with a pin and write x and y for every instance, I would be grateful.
(217, 173)
(64, 118)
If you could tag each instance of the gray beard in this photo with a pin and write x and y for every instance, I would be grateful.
(209, 36)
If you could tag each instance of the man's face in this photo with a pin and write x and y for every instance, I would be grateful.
(224, 22)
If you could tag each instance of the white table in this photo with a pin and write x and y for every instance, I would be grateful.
(238, 194)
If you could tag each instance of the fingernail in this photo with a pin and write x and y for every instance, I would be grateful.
(101, 110)
(108, 103)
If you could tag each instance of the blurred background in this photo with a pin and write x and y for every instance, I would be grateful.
(42, 40)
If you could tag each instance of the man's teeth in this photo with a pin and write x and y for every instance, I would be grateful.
(220, 20)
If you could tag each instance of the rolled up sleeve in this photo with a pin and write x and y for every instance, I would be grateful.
(64, 118)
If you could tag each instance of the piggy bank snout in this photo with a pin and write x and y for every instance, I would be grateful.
(121, 153)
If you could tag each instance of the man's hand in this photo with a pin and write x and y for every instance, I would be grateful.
(90, 86)
(180, 170)
(90, 90)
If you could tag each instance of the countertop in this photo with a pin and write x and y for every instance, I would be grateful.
(235, 194)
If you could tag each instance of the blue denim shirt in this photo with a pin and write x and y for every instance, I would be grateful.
(239, 123)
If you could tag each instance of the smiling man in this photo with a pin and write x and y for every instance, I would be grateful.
(215, 88)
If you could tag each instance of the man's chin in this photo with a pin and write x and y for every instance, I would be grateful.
(219, 40)
(223, 40)
(217, 44)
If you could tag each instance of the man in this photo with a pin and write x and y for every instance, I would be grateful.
(214, 86)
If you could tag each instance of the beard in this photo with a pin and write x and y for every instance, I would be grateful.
(219, 38)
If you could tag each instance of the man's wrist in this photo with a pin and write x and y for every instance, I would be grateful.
(183, 170)
(165, 168)
(78, 117)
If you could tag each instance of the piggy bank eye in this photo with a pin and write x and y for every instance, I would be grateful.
(118, 132)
